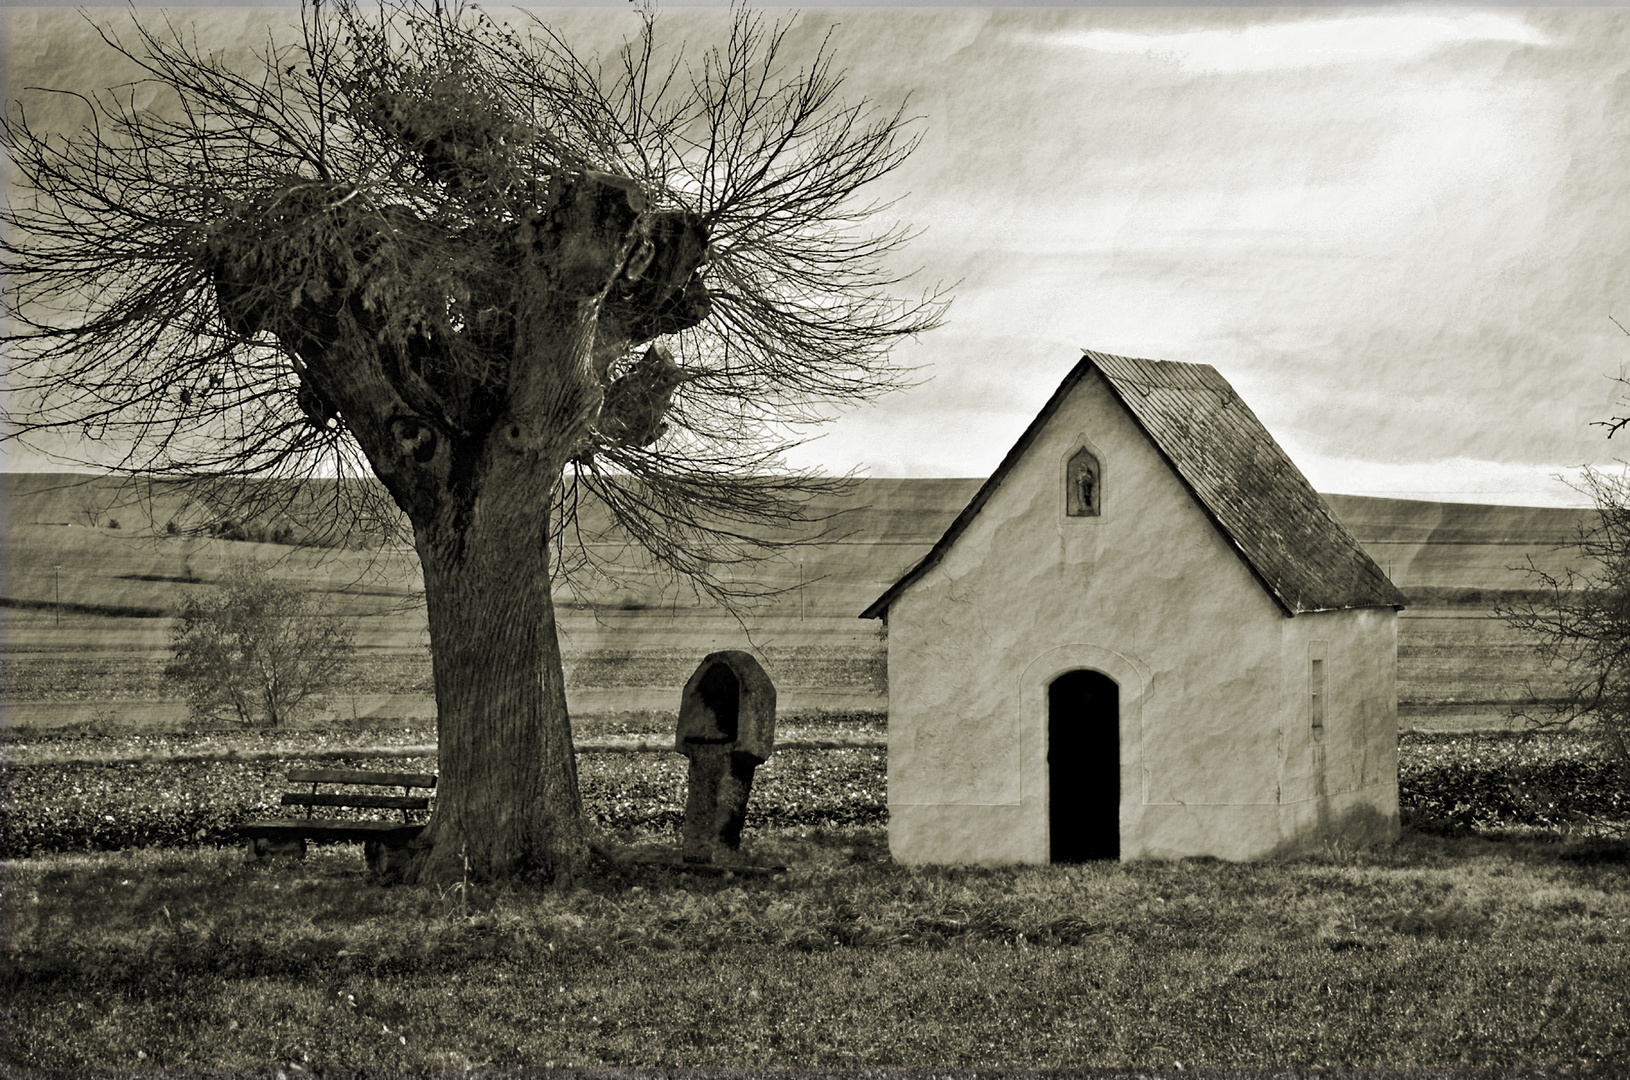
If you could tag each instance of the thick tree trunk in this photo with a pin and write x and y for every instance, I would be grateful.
(506, 794)
(468, 402)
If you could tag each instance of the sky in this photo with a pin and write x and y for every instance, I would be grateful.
(1400, 232)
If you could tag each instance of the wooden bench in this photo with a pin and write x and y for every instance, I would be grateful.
(384, 843)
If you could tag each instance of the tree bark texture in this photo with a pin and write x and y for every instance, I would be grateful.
(469, 422)
(507, 800)
(506, 797)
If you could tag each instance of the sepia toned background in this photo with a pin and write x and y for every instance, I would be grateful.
(1397, 231)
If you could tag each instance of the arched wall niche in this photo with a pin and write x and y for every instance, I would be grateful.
(1083, 484)
(1081, 469)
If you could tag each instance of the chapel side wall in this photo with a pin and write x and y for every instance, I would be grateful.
(1153, 590)
(1341, 783)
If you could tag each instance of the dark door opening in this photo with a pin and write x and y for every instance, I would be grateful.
(1084, 767)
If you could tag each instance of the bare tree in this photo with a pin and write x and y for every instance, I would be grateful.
(259, 651)
(448, 252)
(1580, 620)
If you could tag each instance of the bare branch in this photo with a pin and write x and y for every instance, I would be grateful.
(185, 268)
(1580, 622)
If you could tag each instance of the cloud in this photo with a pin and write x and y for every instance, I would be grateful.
(1315, 42)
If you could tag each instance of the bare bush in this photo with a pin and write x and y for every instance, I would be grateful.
(257, 651)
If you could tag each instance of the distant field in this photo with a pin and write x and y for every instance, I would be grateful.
(84, 625)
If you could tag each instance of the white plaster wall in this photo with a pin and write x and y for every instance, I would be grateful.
(1344, 781)
(1216, 755)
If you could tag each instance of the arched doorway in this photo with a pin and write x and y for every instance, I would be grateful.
(1083, 767)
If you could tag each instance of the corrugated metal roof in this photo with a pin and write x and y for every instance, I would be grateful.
(1283, 530)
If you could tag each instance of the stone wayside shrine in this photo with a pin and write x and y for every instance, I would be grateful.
(1145, 637)
(727, 729)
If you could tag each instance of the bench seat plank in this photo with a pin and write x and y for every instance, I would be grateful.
(360, 776)
(390, 833)
(377, 802)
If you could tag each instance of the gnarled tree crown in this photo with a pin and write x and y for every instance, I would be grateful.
(412, 240)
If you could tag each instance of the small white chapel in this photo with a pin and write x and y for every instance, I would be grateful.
(1146, 636)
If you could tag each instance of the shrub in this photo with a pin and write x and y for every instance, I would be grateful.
(1475, 782)
(1448, 783)
(1580, 623)
(258, 651)
(83, 806)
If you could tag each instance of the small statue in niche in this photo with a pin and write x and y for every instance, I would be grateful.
(1083, 489)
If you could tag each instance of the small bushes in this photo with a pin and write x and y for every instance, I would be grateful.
(85, 807)
(257, 650)
(253, 532)
(227, 529)
(89, 807)
(1447, 784)
(1465, 783)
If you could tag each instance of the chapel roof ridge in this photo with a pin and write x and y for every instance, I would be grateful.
(1247, 485)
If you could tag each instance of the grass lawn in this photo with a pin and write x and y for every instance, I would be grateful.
(1439, 951)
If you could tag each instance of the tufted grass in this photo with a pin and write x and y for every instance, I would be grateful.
(1436, 952)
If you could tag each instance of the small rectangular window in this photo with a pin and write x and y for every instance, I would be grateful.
(1317, 694)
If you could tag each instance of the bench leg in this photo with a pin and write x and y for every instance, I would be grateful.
(264, 847)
